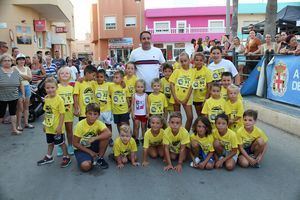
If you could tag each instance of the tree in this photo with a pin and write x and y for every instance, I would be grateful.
(270, 21)
(234, 23)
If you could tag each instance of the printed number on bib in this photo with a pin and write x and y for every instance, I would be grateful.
(199, 84)
(102, 95)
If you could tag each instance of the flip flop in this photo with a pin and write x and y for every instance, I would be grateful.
(16, 132)
(29, 126)
(19, 128)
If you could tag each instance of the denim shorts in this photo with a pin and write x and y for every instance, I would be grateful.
(83, 156)
(27, 90)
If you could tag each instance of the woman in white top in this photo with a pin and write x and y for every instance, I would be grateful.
(23, 103)
(269, 46)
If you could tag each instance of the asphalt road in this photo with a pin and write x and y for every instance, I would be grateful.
(20, 177)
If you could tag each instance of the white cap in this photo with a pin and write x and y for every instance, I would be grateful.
(20, 55)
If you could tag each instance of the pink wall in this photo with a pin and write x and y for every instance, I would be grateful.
(160, 38)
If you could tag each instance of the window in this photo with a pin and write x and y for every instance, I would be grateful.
(216, 26)
(110, 23)
(40, 40)
(178, 48)
(181, 26)
(130, 21)
(162, 27)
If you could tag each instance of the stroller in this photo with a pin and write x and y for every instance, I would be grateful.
(37, 100)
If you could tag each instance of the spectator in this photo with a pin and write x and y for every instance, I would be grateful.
(3, 47)
(277, 39)
(283, 43)
(74, 72)
(253, 49)
(50, 68)
(269, 46)
(206, 41)
(199, 47)
(10, 83)
(293, 46)
(239, 49)
(59, 62)
(14, 52)
(225, 38)
(210, 45)
(76, 62)
(258, 35)
(28, 61)
(37, 71)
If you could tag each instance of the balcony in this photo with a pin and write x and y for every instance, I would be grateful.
(187, 30)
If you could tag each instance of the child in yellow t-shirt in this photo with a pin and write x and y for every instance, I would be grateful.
(130, 78)
(225, 144)
(202, 144)
(119, 95)
(176, 64)
(226, 80)
(54, 123)
(165, 87)
(181, 88)
(252, 141)
(214, 105)
(125, 148)
(234, 108)
(157, 101)
(202, 82)
(84, 91)
(65, 91)
(153, 140)
(91, 138)
(175, 140)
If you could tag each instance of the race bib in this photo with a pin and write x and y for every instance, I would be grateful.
(67, 97)
(156, 108)
(119, 98)
(101, 95)
(184, 82)
(88, 96)
(131, 90)
(49, 119)
(214, 112)
(217, 74)
(199, 84)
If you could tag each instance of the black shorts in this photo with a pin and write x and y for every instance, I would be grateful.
(197, 103)
(55, 139)
(12, 107)
(83, 156)
(119, 118)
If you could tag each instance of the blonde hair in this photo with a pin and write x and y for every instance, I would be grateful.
(233, 87)
(63, 69)
(125, 128)
(142, 82)
(184, 54)
(51, 80)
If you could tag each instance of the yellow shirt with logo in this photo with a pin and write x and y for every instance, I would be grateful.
(246, 139)
(229, 141)
(166, 90)
(53, 108)
(102, 96)
(175, 141)
(85, 91)
(119, 97)
(157, 103)
(176, 65)
(66, 93)
(85, 131)
(182, 79)
(234, 110)
(202, 78)
(153, 140)
(225, 96)
(206, 143)
(213, 107)
(124, 149)
(130, 84)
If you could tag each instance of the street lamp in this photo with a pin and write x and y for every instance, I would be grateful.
(140, 4)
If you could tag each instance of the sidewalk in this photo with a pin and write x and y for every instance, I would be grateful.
(279, 115)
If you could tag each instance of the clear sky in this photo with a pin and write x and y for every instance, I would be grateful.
(82, 9)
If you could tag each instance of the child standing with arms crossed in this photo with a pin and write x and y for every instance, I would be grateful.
(65, 91)
(181, 88)
(54, 123)
(165, 87)
(153, 140)
(201, 84)
(175, 140)
(139, 109)
(253, 141)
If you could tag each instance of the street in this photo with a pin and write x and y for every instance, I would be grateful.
(278, 177)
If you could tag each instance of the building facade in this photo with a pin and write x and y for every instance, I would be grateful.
(84, 48)
(34, 25)
(115, 28)
(173, 28)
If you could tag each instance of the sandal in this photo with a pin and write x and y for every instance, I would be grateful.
(19, 128)
(16, 132)
(29, 126)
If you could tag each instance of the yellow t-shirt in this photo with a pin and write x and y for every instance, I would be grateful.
(176, 65)
(85, 131)
(233, 110)
(124, 149)
(166, 90)
(225, 96)
(229, 140)
(66, 93)
(53, 107)
(213, 107)
(202, 78)
(151, 140)
(85, 91)
(246, 139)
(130, 84)
(157, 103)
(102, 96)
(175, 141)
(182, 80)
(119, 97)
(206, 143)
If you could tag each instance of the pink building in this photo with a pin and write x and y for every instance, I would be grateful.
(173, 28)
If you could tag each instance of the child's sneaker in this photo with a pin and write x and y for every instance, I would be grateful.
(70, 150)
(102, 163)
(45, 160)
(66, 161)
(59, 151)
(257, 165)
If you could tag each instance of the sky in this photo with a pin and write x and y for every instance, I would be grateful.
(82, 9)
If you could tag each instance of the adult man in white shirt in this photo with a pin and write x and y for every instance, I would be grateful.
(147, 60)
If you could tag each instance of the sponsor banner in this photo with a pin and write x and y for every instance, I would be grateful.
(120, 43)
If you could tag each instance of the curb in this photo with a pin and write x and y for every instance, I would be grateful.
(275, 118)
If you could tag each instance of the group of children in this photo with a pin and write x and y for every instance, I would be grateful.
(222, 134)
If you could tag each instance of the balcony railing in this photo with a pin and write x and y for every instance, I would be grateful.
(187, 30)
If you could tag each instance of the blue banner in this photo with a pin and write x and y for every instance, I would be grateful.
(250, 85)
(283, 79)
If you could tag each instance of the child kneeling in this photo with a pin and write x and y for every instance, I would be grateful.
(90, 140)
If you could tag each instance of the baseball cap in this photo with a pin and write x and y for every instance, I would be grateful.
(20, 55)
